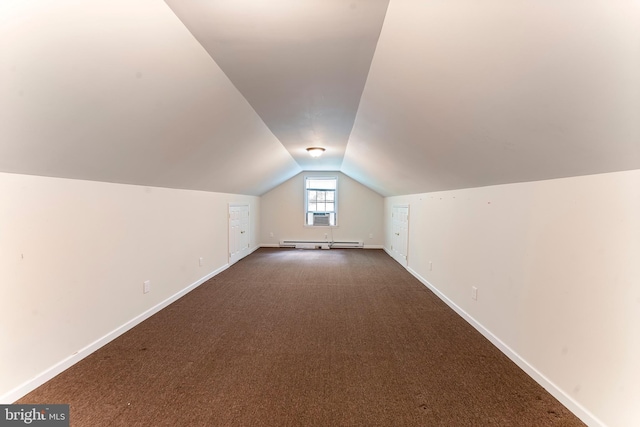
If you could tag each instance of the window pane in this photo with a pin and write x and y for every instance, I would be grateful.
(320, 197)
(322, 184)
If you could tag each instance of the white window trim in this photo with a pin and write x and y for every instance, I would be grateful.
(305, 199)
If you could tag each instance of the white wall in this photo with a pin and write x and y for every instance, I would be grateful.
(360, 213)
(557, 267)
(74, 255)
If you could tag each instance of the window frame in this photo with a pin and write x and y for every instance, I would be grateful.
(306, 190)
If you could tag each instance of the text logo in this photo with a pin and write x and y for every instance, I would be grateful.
(34, 415)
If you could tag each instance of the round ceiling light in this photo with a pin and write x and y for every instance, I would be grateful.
(315, 151)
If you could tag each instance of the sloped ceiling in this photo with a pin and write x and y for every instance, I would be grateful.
(120, 91)
(302, 65)
(407, 96)
(466, 94)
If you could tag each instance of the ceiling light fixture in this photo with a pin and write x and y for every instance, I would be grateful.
(315, 151)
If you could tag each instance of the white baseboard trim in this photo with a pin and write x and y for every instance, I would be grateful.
(30, 385)
(275, 245)
(581, 412)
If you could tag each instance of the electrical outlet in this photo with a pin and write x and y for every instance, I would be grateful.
(146, 287)
(271, 234)
(430, 265)
(474, 293)
(371, 235)
(200, 261)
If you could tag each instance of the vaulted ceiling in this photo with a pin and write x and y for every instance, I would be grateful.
(406, 96)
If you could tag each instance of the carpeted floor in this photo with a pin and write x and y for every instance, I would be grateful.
(304, 338)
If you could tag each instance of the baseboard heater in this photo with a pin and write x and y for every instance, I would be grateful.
(319, 244)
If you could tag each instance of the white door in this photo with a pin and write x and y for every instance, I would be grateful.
(239, 239)
(400, 233)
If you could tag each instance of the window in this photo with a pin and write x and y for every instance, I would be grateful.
(321, 200)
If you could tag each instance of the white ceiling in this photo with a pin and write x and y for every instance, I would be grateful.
(302, 65)
(407, 96)
(466, 94)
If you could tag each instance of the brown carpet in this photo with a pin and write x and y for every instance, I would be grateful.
(304, 338)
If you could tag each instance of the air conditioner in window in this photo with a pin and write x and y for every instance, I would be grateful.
(320, 219)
